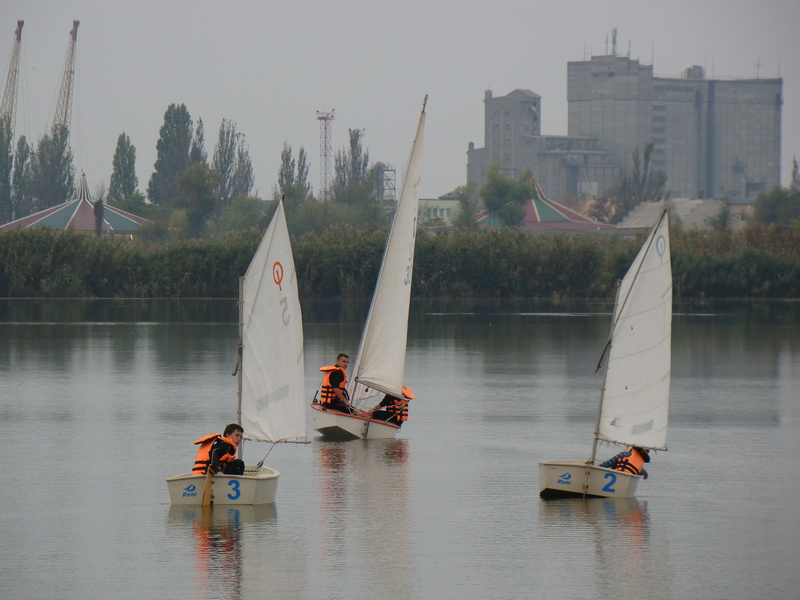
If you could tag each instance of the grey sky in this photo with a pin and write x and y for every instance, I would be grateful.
(269, 66)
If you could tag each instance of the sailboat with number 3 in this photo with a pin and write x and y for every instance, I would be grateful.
(270, 370)
(634, 403)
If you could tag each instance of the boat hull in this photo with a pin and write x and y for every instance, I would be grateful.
(575, 478)
(256, 486)
(338, 425)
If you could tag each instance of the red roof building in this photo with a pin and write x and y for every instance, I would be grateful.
(78, 215)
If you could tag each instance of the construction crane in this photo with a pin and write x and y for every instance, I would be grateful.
(325, 119)
(63, 114)
(8, 109)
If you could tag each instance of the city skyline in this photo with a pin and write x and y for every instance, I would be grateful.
(269, 69)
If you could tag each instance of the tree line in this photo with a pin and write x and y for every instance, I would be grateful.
(761, 261)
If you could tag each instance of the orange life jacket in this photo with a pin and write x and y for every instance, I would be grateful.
(327, 393)
(399, 408)
(631, 464)
(203, 460)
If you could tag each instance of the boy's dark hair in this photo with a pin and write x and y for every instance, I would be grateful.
(229, 429)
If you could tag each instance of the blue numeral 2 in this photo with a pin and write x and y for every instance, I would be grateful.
(610, 485)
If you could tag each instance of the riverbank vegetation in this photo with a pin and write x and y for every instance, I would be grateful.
(757, 262)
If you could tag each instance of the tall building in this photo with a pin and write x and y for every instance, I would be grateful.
(710, 137)
(561, 164)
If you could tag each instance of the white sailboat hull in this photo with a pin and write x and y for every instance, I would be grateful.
(339, 425)
(575, 478)
(256, 486)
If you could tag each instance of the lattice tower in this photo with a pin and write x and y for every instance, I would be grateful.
(63, 114)
(325, 119)
(8, 109)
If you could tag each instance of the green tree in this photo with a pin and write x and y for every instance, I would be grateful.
(172, 154)
(123, 176)
(197, 197)
(293, 185)
(505, 197)
(354, 181)
(6, 166)
(795, 185)
(640, 185)
(467, 206)
(781, 206)
(52, 172)
(197, 153)
(243, 213)
(21, 200)
(135, 204)
(233, 165)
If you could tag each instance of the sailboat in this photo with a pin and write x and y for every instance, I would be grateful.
(380, 363)
(270, 369)
(634, 402)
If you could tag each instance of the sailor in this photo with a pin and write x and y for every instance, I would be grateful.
(396, 408)
(630, 461)
(333, 395)
(219, 452)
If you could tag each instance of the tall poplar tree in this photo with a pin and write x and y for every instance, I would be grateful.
(21, 201)
(172, 154)
(6, 165)
(233, 165)
(123, 177)
(52, 171)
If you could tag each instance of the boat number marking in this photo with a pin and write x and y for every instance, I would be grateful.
(277, 274)
(609, 487)
(235, 492)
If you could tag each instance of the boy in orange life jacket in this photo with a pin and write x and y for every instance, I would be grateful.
(333, 394)
(219, 452)
(631, 461)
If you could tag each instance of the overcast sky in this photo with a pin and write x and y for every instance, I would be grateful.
(270, 66)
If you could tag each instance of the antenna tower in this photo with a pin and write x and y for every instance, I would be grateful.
(9, 107)
(63, 114)
(325, 119)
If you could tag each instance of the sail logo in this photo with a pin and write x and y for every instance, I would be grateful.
(190, 491)
(565, 479)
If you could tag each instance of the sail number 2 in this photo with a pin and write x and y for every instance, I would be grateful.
(609, 487)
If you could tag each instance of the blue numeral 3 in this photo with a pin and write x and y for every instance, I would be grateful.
(235, 493)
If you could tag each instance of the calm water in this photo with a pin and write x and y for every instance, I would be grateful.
(100, 401)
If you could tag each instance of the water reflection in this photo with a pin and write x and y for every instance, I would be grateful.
(217, 538)
(630, 555)
(364, 496)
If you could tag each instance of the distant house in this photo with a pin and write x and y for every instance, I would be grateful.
(543, 215)
(79, 215)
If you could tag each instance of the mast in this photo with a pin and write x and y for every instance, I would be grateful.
(63, 115)
(8, 109)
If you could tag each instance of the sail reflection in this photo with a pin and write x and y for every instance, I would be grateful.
(629, 552)
(364, 496)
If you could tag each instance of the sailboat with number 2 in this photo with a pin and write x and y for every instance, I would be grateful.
(634, 403)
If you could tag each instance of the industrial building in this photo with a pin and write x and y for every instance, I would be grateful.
(711, 137)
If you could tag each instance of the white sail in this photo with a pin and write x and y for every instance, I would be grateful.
(635, 402)
(273, 403)
(380, 363)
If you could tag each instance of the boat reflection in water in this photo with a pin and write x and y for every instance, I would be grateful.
(365, 516)
(219, 548)
(629, 551)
